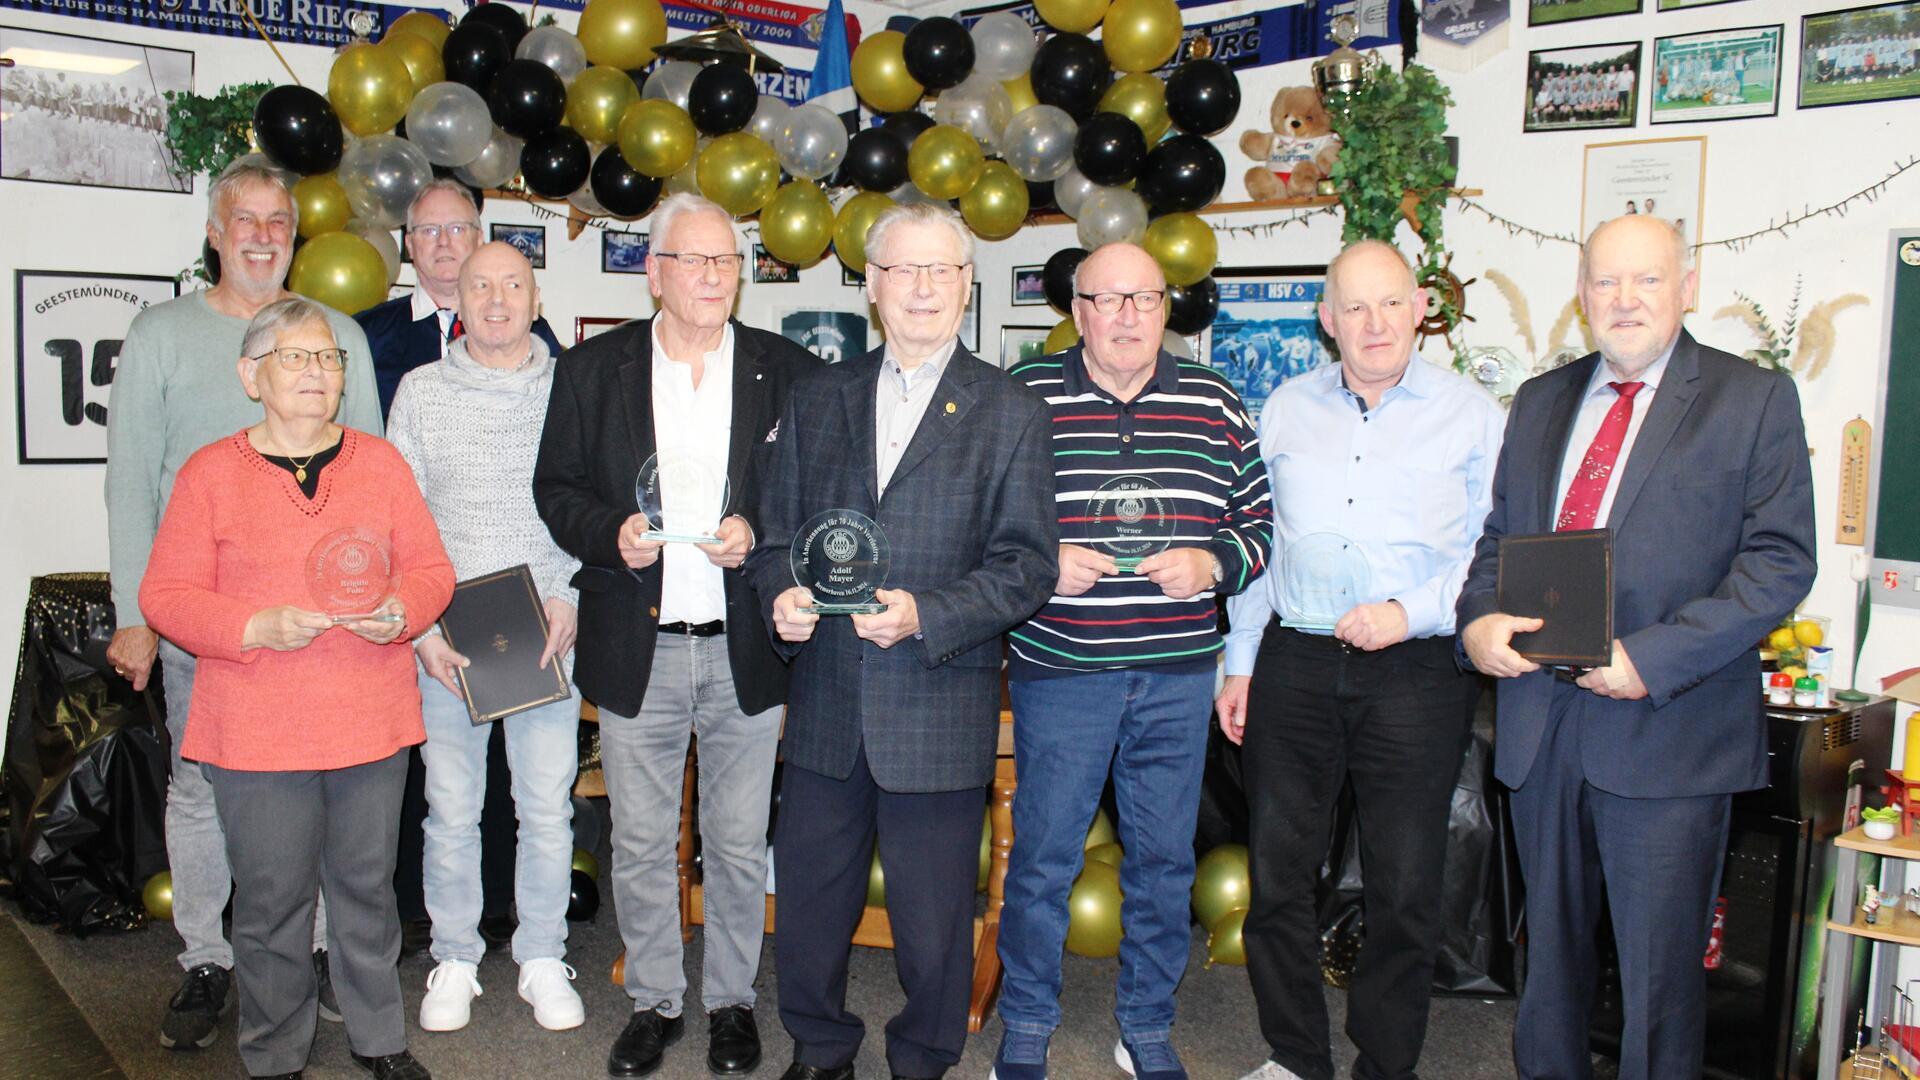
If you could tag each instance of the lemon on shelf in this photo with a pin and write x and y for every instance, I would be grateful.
(1808, 632)
(1782, 639)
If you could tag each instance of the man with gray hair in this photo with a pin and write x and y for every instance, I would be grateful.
(174, 392)
(672, 644)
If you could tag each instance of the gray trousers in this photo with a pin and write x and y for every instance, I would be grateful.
(196, 847)
(644, 757)
(289, 833)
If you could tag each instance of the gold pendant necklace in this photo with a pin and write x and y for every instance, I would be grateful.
(300, 467)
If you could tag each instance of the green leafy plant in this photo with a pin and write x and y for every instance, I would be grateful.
(207, 133)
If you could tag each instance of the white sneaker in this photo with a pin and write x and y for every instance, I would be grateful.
(543, 985)
(1272, 1070)
(451, 987)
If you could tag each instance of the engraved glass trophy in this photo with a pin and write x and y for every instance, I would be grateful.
(350, 573)
(1322, 577)
(1130, 518)
(683, 498)
(841, 557)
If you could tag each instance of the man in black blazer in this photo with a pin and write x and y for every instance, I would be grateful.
(1624, 775)
(893, 717)
(672, 643)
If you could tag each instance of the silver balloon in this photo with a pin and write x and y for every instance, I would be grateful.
(686, 180)
(769, 119)
(980, 107)
(1003, 46)
(1038, 143)
(383, 242)
(1112, 216)
(495, 165)
(1176, 345)
(584, 201)
(287, 176)
(382, 174)
(556, 48)
(450, 123)
(671, 81)
(907, 194)
(812, 142)
(1071, 189)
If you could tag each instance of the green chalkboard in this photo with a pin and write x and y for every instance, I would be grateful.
(1896, 502)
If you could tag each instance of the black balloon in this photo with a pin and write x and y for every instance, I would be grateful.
(1056, 278)
(1190, 308)
(583, 893)
(906, 126)
(1203, 96)
(624, 190)
(554, 165)
(939, 53)
(1040, 196)
(527, 98)
(210, 259)
(1109, 148)
(474, 54)
(876, 161)
(722, 99)
(1071, 71)
(1184, 172)
(511, 24)
(298, 130)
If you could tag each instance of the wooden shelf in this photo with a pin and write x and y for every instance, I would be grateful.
(1894, 926)
(1900, 847)
(1308, 202)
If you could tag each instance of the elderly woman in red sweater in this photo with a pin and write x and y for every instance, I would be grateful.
(296, 560)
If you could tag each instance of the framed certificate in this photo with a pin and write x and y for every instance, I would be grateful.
(497, 623)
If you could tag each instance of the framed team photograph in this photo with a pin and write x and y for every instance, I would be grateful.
(529, 240)
(1718, 75)
(623, 252)
(1682, 5)
(67, 335)
(1545, 12)
(768, 270)
(586, 326)
(1588, 86)
(1860, 55)
(87, 111)
(1268, 328)
(1018, 344)
(1029, 289)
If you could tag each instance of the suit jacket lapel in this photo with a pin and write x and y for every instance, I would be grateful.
(749, 412)
(951, 400)
(636, 392)
(1554, 447)
(857, 398)
(1678, 387)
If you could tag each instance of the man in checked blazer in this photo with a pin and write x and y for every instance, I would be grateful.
(892, 718)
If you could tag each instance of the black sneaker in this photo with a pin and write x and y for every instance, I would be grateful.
(329, 1005)
(193, 1014)
(400, 1066)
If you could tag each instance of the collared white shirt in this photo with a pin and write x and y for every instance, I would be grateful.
(696, 424)
(425, 308)
(900, 400)
(1594, 406)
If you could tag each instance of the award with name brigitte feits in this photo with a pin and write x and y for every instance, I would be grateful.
(683, 498)
(841, 557)
(1322, 577)
(350, 573)
(1129, 518)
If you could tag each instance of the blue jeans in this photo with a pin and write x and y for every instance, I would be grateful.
(543, 756)
(1152, 729)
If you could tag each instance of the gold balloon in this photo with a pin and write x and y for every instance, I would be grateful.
(1140, 35)
(1142, 98)
(1184, 246)
(584, 862)
(797, 224)
(740, 172)
(1110, 854)
(876, 883)
(1093, 912)
(1020, 91)
(622, 33)
(422, 58)
(1227, 942)
(1221, 883)
(370, 88)
(322, 204)
(850, 227)
(880, 73)
(656, 136)
(598, 101)
(986, 851)
(432, 28)
(945, 162)
(997, 203)
(339, 270)
(1101, 831)
(157, 895)
(1062, 337)
(1072, 16)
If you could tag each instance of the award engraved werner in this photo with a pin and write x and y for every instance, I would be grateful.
(1130, 518)
(350, 573)
(683, 498)
(1323, 576)
(841, 557)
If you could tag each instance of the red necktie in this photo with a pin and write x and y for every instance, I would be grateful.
(456, 331)
(1582, 505)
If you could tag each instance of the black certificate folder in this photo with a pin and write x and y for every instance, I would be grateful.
(1565, 579)
(497, 623)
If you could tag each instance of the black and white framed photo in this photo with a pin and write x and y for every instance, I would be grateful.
(1860, 55)
(1029, 286)
(1019, 344)
(1546, 12)
(67, 336)
(528, 240)
(1588, 86)
(768, 270)
(1718, 75)
(623, 252)
(1268, 328)
(81, 110)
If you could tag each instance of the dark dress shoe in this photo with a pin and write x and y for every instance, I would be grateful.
(400, 1066)
(497, 930)
(797, 1071)
(416, 936)
(733, 1041)
(643, 1044)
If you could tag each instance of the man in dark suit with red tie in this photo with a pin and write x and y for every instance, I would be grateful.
(1623, 776)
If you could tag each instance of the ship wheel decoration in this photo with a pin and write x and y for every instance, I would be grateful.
(1446, 302)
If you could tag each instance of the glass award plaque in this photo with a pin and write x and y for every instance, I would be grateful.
(1322, 577)
(1130, 518)
(350, 573)
(683, 498)
(841, 557)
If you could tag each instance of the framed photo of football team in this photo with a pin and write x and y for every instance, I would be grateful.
(1860, 55)
(1718, 75)
(87, 111)
(1585, 87)
(1545, 12)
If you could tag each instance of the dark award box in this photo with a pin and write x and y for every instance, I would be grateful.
(497, 623)
(1566, 579)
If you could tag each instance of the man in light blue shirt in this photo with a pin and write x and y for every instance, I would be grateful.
(1390, 458)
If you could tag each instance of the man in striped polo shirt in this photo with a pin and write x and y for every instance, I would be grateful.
(1163, 506)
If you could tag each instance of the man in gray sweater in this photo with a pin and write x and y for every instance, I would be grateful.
(175, 390)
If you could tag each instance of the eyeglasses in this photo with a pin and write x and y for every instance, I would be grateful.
(292, 359)
(1108, 303)
(455, 231)
(906, 273)
(693, 262)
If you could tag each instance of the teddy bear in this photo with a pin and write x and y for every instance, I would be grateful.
(1300, 150)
